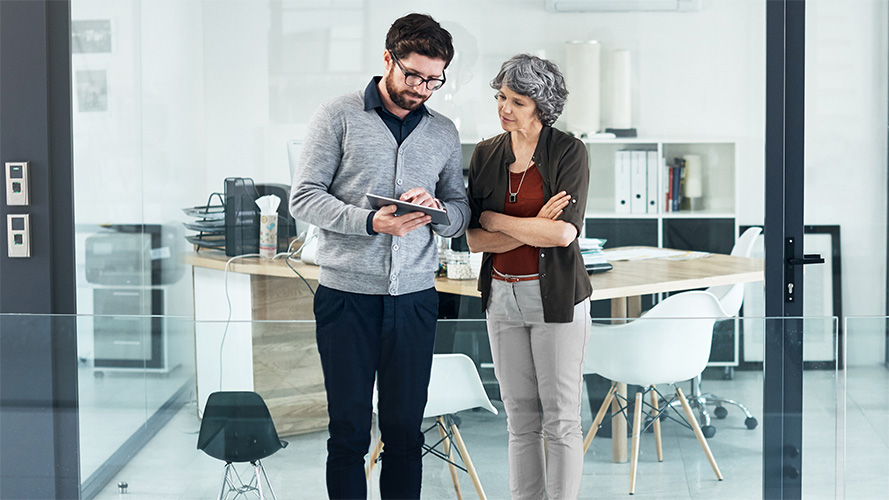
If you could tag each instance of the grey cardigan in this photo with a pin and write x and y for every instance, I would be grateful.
(349, 152)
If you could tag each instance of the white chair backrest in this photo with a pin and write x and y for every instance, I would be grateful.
(669, 343)
(732, 296)
(455, 386)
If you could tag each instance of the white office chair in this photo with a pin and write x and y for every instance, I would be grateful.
(668, 344)
(454, 386)
(730, 298)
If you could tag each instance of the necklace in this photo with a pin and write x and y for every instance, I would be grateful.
(512, 196)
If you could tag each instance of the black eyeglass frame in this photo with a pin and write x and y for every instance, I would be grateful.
(440, 81)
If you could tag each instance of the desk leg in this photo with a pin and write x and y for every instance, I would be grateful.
(622, 307)
(619, 422)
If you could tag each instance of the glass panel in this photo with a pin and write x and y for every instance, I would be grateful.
(845, 412)
(125, 398)
(684, 473)
(822, 410)
(846, 125)
(864, 433)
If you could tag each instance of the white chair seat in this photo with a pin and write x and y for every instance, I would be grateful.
(454, 386)
(668, 344)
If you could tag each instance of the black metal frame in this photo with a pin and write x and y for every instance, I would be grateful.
(785, 141)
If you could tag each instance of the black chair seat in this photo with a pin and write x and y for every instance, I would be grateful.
(237, 427)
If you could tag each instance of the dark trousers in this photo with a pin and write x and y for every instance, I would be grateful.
(392, 337)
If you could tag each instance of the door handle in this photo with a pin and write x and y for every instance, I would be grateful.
(809, 258)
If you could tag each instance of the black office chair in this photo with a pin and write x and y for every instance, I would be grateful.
(238, 428)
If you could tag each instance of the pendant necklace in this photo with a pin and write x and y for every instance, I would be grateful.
(512, 196)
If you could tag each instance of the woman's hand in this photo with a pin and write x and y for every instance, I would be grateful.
(552, 209)
(486, 219)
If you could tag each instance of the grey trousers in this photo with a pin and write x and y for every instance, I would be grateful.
(540, 367)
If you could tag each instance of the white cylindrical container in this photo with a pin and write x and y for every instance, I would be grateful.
(694, 181)
(621, 81)
(582, 66)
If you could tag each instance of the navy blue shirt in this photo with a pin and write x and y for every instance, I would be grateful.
(400, 128)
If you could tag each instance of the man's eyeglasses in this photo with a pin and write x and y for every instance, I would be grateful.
(413, 79)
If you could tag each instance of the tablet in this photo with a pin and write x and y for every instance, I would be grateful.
(438, 216)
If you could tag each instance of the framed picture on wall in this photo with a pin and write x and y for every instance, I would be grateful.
(91, 36)
(822, 301)
(92, 90)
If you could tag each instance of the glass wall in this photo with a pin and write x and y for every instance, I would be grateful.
(172, 98)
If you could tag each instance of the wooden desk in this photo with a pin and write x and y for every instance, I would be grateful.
(278, 360)
(276, 295)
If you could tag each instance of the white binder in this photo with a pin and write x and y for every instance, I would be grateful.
(652, 172)
(638, 182)
(622, 182)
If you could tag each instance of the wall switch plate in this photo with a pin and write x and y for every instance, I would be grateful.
(18, 183)
(18, 235)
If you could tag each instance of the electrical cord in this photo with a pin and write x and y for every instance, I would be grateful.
(228, 301)
(289, 254)
(287, 261)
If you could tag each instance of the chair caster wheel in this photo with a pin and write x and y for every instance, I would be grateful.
(750, 422)
(720, 412)
(709, 431)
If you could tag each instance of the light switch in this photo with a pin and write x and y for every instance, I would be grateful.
(18, 235)
(17, 183)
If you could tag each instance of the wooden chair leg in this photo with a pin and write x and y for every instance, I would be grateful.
(619, 426)
(655, 414)
(458, 440)
(598, 420)
(373, 459)
(637, 427)
(700, 435)
(447, 451)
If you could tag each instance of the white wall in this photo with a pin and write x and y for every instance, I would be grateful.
(223, 83)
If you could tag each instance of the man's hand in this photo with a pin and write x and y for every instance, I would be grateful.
(419, 196)
(385, 221)
(553, 208)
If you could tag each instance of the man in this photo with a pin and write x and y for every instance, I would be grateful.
(376, 305)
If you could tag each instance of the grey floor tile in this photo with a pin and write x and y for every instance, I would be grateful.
(842, 456)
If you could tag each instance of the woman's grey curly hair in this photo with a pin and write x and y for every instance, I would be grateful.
(538, 79)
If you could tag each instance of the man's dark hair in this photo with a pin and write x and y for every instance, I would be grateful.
(421, 34)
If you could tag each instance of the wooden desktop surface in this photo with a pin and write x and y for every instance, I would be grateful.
(627, 279)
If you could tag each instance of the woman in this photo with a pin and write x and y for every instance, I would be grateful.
(527, 192)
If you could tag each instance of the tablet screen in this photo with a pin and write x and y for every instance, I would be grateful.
(438, 216)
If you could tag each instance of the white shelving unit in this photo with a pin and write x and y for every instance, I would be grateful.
(719, 178)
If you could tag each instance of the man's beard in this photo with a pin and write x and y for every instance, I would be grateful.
(399, 97)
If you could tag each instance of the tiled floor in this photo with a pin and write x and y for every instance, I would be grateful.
(171, 468)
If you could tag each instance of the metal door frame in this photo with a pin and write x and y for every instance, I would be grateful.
(784, 181)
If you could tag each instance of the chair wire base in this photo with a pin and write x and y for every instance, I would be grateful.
(654, 413)
(450, 441)
(700, 401)
(233, 484)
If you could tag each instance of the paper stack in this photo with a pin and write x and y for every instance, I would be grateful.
(591, 251)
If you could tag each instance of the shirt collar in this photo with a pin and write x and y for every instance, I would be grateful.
(373, 100)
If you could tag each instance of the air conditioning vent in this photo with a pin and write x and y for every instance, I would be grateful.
(623, 5)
